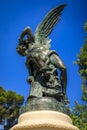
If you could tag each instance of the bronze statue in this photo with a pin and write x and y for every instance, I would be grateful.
(42, 63)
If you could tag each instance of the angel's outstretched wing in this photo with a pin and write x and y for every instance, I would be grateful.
(47, 25)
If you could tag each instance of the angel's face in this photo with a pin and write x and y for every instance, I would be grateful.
(22, 48)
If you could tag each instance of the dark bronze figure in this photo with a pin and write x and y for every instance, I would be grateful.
(42, 63)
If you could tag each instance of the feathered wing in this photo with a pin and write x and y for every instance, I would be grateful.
(47, 25)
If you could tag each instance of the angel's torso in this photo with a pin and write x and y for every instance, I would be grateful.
(38, 56)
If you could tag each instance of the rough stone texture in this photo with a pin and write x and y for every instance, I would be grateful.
(44, 120)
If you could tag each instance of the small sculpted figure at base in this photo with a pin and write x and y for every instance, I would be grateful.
(42, 63)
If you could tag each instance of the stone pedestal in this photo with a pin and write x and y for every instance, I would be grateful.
(44, 120)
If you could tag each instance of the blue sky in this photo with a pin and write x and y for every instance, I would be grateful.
(67, 38)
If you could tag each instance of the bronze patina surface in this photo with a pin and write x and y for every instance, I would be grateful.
(47, 72)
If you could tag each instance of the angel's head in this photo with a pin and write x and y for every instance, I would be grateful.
(25, 39)
(22, 47)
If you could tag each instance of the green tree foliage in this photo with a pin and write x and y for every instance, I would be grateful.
(10, 103)
(79, 115)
